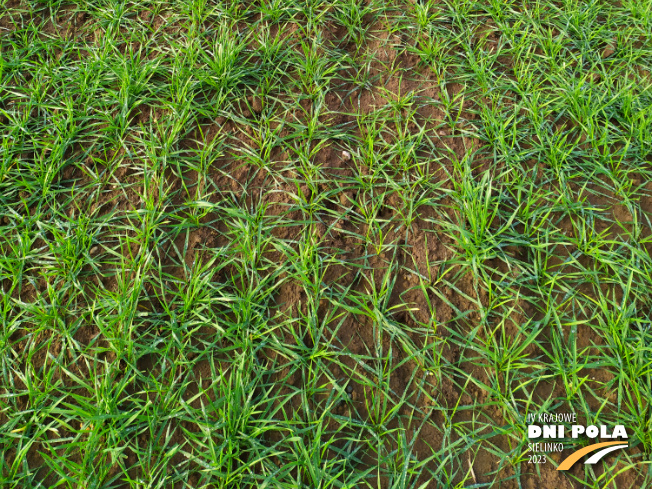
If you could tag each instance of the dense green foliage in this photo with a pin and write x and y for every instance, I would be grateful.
(321, 244)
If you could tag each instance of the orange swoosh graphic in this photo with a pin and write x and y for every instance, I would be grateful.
(574, 457)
